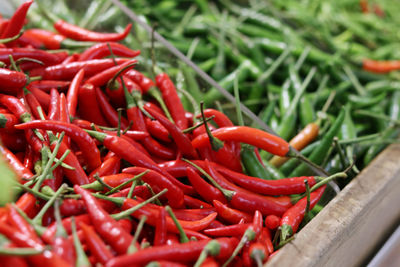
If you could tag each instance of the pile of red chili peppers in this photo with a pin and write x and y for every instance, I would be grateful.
(113, 171)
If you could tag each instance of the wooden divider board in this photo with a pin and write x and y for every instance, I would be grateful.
(347, 231)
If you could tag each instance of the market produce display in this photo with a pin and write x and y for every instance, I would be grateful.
(120, 156)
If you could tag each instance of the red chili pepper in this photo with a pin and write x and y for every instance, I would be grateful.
(204, 189)
(15, 164)
(48, 39)
(108, 111)
(156, 130)
(265, 239)
(27, 203)
(292, 218)
(79, 136)
(76, 176)
(109, 166)
(160, 235)
(47, 258)
(96, 245)
(272, 222)
(105, 225)
(102, 50)
(258, 252)
(286, 186)
(76, 33)
(172, 100)
(46, 85)
(45, 57)
(88, 105)
(50, 232)
(231, 215)
(69, 70)
(73, 90)
(181, 140)
(268, 142)
(34, 105)
(54, 107)
(228, 231)
(144, 82)
(195, 203)
(381, 66)
(155, 179)
(7, 122)
(125, 150)
(11, 81)
(42, 97)
(186, 252)
(106, 75)
(17, 21)
(29, 158)
(14, 141)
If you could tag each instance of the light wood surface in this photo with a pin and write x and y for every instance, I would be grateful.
(349, 229)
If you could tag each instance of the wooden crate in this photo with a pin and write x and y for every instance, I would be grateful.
(349, 229)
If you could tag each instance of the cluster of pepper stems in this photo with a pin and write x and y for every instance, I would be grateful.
(106, 177)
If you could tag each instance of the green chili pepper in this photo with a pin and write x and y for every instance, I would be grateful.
(254, 167)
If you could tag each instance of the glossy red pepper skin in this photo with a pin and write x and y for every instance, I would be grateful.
(181, 140)
(110, 114)
(231, 215)
(228, 231)
(268, 142)
(204, 189)
(286, 186)
(103, 77)
(15, 164)
(73, 91)
(27, 203)
(109, 166)
(46, 58)
(144, 82)
(157, 180)
(69, 70)
(156, 130)
(195, 203)
(172, 100)
(46, 85)
(42, 97)
(34, 105)
(160, 236)
(11, 81)
(102, 50)
(272, 222)
(89, 108)
(293, 216)
(22, 225)
(7, 122)
(96, 245)
(105, 225)
(79, 136)
(16, 21)
(76, 33)
(186, 252)
(47, 39)
(54, 107)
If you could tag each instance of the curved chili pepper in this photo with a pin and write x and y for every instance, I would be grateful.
(181, 140)
(172, 100)
(16, 107)
(79, 136)
(107, 227)
(42, 97)
(34, 105)
(76, 33)
(116, 92)
(108, 111)
(47, 258)
(76, 176)
(96, 245)
(69, 70)
(144, 82)
(15, 164)
(109, 166)
(7, 122)
(16, 21)
(186, 252)
(195, 203)
(228, 231)
(231, 215)
(155, 179)
(292, 218)
(46, 58)
(381, 66)
(204, 189)
(11, 81)
(27, 203)
(285, 186)
(102, 50)
(160, 235)
(157, 130)
(46, 85)
(268, 142)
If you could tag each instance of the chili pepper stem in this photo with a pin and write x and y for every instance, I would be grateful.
(81, 258)
(212, 248)
(184, 238)
(216, 144)
(249, 235)
(20, 251)
(38, 228)
(132, 248)
(39, 217)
